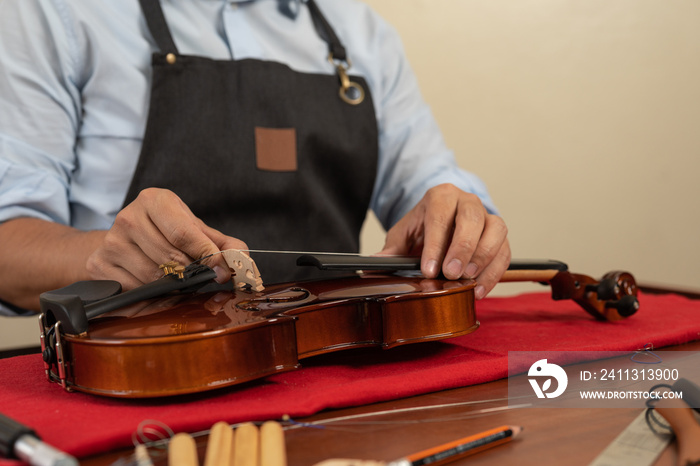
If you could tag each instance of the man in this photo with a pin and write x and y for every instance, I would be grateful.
(245, 130)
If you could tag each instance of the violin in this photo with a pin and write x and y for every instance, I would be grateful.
(175, 336)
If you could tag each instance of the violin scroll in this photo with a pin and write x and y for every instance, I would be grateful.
(612, 298)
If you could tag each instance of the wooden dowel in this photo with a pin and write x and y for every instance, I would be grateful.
(141, 456)
(273, 451)
(246, 445)
(182, 451)
(219, 445)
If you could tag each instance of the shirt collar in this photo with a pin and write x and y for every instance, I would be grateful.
(289, 8)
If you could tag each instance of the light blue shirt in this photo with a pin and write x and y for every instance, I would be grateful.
(75, 82)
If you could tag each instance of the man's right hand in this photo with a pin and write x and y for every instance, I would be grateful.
(157, 227)
(38, 255)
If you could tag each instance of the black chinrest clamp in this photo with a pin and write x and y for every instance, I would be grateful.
(74, 305)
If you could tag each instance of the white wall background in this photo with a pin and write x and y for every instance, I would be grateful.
(582, 116)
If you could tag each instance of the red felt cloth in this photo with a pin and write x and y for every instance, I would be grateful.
(84, 424)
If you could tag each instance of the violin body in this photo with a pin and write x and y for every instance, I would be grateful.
(192, 342)
(165, 338)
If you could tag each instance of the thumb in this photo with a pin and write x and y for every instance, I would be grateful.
(399, 242)
(391, 249)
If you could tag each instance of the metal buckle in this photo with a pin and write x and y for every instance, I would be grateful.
(60, 360)
(347, 87)
(42, 338)
(59, 357)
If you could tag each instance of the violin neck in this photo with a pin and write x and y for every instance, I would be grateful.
(533, 270)
(518, 270)
(542, 276)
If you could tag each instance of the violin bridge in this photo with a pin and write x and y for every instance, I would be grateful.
(245, 271)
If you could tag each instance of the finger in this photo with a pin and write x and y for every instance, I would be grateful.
(101, 266)
(468, 229)
(156, 228)
(128, 280)
(492, 273)
(138, 245)
(222, 242)
(406, 237)
(150, 219)
(489, 244)
(118, 253)
(392, 248)
(439, 226)
(181, 231)
(177, 234)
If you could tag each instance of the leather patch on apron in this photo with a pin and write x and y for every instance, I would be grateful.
(276, 149)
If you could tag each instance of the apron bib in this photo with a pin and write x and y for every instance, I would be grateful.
(261, 152)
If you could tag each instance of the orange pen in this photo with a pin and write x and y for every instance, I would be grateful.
(460, 448)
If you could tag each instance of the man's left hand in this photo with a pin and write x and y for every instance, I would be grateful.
(453, 232)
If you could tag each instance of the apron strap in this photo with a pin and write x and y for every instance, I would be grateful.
(160, 31)
(324, 29)
(158, 26)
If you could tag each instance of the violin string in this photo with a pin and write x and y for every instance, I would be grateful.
(315, 253)
(342, 420)
(347, 425)
(272, 251)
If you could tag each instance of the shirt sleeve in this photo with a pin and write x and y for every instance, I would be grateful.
(39, 111)
(413, 153)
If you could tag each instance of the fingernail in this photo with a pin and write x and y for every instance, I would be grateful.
(222, 276)
(479, 292)
(471, 270)
(454, 269)
(431, 268)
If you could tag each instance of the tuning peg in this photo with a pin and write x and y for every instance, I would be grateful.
(606, 290)
(626, 306)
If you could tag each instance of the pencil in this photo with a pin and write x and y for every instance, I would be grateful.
(460, 448)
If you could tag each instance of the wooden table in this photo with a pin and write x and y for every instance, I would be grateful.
(551, 436)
